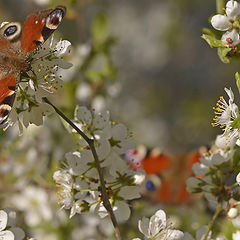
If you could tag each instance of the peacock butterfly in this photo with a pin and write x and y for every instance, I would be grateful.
(166, 174)
(17, 45)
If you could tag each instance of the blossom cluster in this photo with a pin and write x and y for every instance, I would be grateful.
(216, 173)
(41, 81)
(79, 184)
(226, 114)
(228, 23)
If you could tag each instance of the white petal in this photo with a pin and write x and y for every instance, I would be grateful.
(18, 233)
(3, 219)
(175, 235)
(224, 141)
(119, 132)
(101, 120)
(11, 217)
(229, 93)
(238, 178)
(188, 236)
(143, 226)
(6, 235)
(84, 115)
(162, 216)
(62, 176)
(157, 222)
(122, 211)
(62, 48)
(129, 192)
(232, 9)
(221, 22)
(101, 210)
(200, 169)
(233, 35)
(103, 148)
(201, 231)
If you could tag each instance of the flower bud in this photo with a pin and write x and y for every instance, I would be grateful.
(232, 213)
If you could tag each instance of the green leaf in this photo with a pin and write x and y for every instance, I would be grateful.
(222, 53)
(237, 77)
(213, 42)
(207, 31)
(100, 29)
(236, 123)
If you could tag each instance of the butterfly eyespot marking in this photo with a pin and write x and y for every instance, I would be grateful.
(4, 112)
(55, 18)
(12, 31)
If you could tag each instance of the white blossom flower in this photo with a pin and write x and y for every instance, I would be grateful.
(226, 113)
(158, 228)
(42, 81)
(228, 22)
(7, 220)
(79, 183)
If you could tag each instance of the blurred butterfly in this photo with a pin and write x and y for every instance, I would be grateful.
(166, 175)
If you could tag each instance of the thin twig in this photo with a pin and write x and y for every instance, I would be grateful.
(210, 225)
(104, 193)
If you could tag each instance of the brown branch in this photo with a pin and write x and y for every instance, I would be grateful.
(104, 193)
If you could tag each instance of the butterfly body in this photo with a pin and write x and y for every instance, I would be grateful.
(17, 44)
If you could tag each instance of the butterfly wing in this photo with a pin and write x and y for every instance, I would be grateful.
(8, 76)
(39, 26)
(7, 94)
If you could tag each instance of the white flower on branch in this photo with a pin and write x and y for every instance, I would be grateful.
(158, 228)
(79, 182)
(228, 22)
(225, 114)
